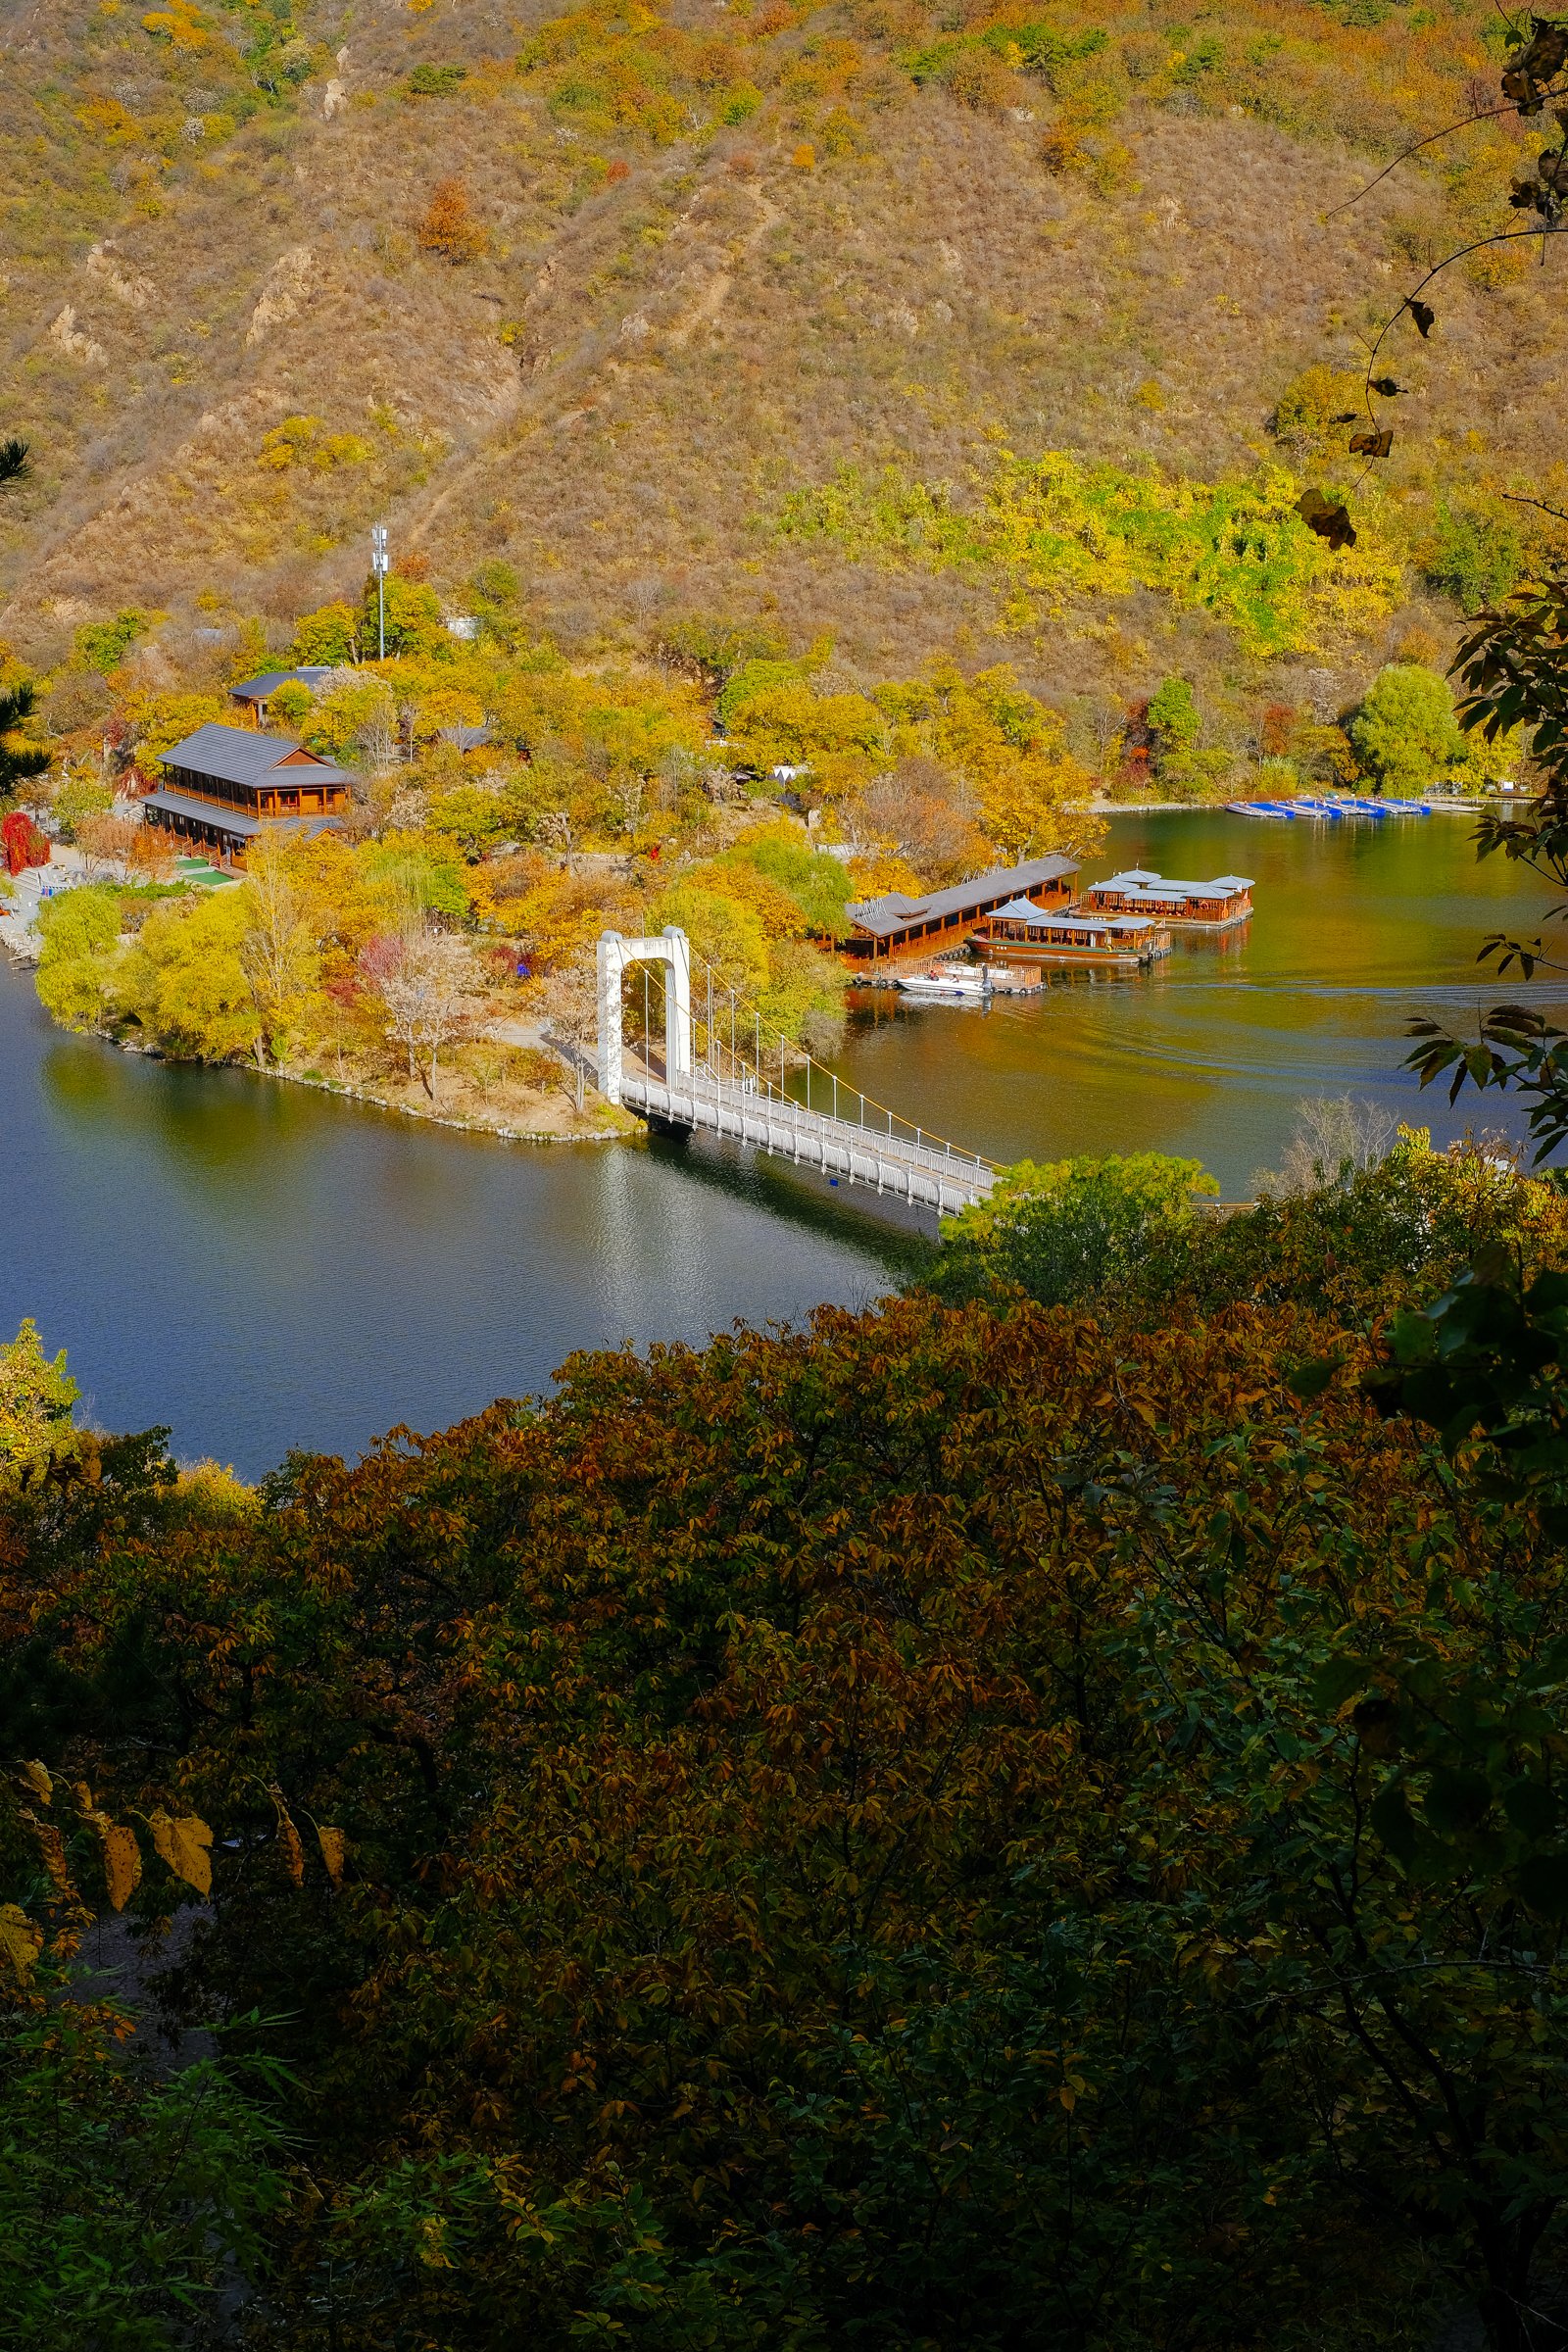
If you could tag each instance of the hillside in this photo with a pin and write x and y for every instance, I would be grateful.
(768, 311)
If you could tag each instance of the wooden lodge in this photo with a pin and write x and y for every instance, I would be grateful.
(1021, 933)
(897, 926)
(223, 786)
(254, 694)
(1195, 906)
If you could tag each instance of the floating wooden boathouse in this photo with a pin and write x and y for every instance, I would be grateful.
(1214, 906)
(898, 925)
(1019, 933)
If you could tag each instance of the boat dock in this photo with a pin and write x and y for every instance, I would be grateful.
(1025, 934)
(1215, 906)
(1330, 807)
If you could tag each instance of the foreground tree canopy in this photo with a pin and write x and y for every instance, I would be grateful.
(965, 1825)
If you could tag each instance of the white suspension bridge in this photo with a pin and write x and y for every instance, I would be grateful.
(708, 1078)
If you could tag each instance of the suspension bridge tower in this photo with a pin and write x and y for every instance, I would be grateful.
(672, 948)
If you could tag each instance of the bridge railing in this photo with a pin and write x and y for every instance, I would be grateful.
(739, 1049)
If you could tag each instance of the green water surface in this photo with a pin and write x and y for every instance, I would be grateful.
(1209, 1054)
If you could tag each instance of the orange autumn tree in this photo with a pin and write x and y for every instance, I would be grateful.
(450, 226)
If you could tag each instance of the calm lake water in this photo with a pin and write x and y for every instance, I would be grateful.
(1210, 1051)
(262, 1266)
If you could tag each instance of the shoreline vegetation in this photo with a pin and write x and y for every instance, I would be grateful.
(601, 1123)
(507, 805)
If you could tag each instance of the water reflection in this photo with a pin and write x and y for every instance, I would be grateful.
(1209, 1052)
(262, 1265)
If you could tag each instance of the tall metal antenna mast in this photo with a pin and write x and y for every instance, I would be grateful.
(379, 567)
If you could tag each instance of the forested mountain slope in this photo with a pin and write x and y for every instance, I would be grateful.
(768, 309)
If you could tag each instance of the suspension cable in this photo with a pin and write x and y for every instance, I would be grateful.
(924, 1139)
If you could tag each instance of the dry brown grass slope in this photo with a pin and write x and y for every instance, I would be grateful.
(617, 394)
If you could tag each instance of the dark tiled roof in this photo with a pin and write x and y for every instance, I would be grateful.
(262, 689)
(465, 739)
(897, 912)
(231, 820)
(241, 756)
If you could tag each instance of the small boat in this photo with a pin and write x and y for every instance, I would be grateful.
(1256, 808)
(949, 984)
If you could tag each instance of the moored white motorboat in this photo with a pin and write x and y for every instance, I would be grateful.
(949, 984)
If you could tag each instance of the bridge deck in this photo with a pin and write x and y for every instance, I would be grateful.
(927, 1175)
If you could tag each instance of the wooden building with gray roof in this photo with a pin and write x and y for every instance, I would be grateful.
(223, 786)
(896, 924)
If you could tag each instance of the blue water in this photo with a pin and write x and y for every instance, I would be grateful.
(261, 1266)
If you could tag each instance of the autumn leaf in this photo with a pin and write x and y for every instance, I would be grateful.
(1386, 387)
(20, 1941)
(1330, 520)
(334, 1849)
(289, 1839)
(38, 1779)
(1371, 445)
(1425, 316)
(52, 1847)
(122, 1860)
(182, 1846)
(121, 1852)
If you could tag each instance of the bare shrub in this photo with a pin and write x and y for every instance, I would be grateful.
(108, 845)
(152, 852)
(425, 981)
(924, 814)
(1336, 1138)
(572, 1010)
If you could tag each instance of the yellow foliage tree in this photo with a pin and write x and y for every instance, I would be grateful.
(1033, 805)
(158, 721)
(1007, 747)
(183, 26)
(305, 442)
(556, 921)
(839, 737)
(876, 877)
(184, 980)
(724, 934)
(780, 915)
(280, 953)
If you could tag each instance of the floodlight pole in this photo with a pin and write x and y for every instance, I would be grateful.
(379, 567)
